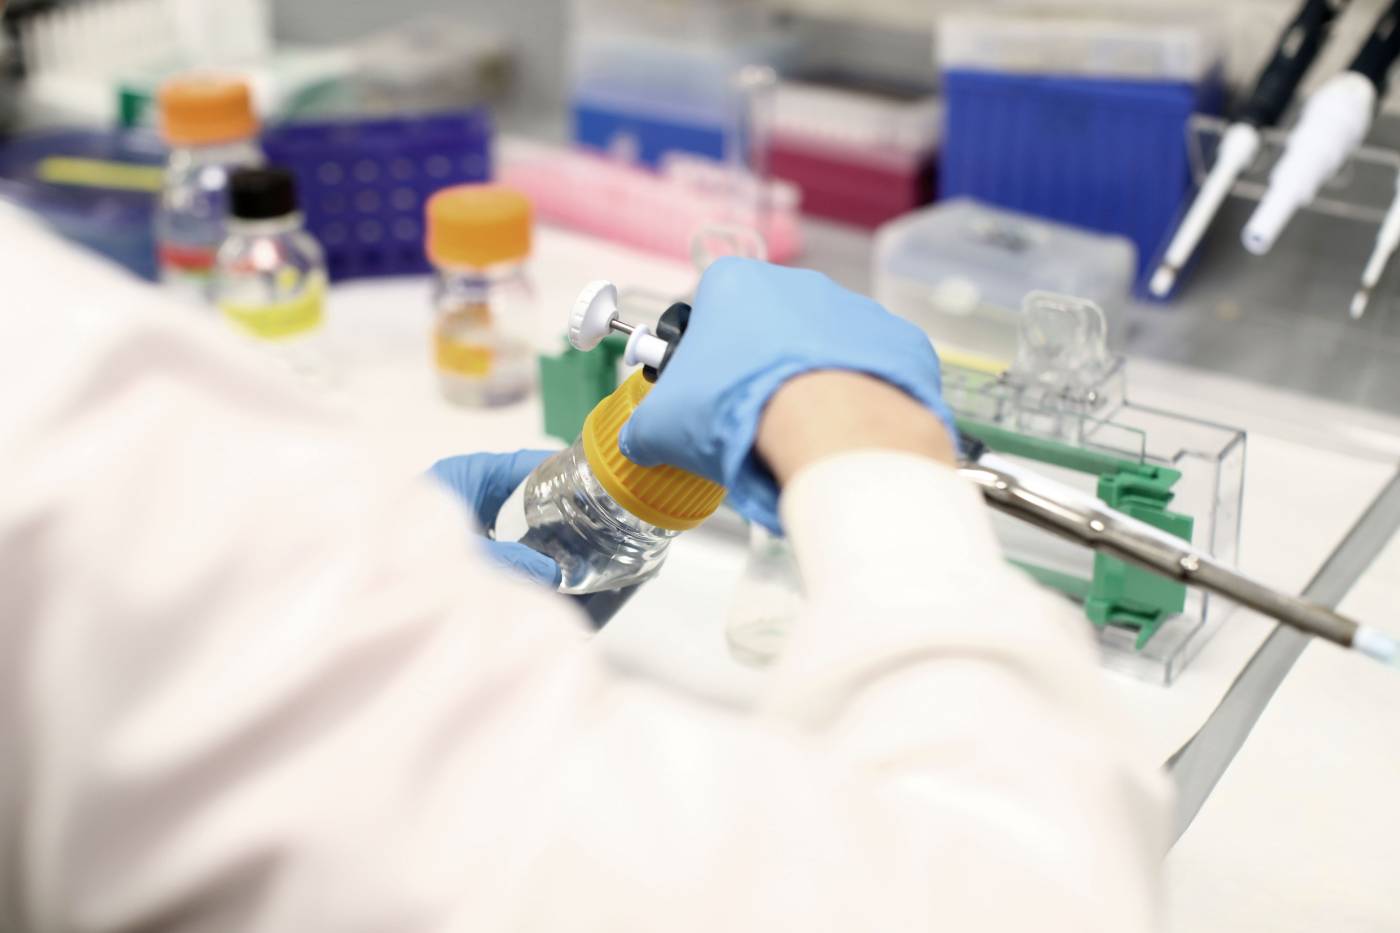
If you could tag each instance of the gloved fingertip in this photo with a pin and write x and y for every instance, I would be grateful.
(627, 443)
(526, 562)
(543, 570)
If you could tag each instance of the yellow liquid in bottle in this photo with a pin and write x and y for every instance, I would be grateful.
(477, 364)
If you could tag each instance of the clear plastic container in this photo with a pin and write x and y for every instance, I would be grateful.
(960, 270)
(270, 274)
(1063, 410)
(484, 306)
(211, 130)
(430, 64)
(607, 522)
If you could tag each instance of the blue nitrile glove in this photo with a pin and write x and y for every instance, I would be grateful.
(484, 482)
(753, 327)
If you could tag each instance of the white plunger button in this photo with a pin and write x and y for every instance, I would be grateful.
(593, 314)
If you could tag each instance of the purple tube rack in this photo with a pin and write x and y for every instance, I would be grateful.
(362, 183)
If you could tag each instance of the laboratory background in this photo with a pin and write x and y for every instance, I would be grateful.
(1153, 243)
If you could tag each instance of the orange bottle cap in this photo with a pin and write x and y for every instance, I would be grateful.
(199, 110)
(665, 496)
(478, 225)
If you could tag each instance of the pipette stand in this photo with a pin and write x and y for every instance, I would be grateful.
(1361, 192)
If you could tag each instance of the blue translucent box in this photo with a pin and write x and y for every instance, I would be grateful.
(645, 136)
(1106, 154)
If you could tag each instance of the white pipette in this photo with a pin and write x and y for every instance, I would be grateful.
(1297, 47)
(1238, 147)
(1387, 241)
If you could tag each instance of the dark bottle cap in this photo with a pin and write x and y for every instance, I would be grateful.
(262, 193)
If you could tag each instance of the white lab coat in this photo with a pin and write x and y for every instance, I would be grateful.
(251, 680)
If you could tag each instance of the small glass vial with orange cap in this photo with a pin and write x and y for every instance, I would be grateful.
(607, 521)
(209, 125)
(478, 240)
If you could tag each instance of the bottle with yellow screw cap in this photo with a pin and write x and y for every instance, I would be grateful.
(607, 521)
(478, 238)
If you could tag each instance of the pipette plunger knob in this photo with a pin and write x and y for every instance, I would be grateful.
(593, 314)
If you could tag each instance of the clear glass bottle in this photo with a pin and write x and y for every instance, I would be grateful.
(607, 522)
(210, 127)
(270, 274)
(484, 328)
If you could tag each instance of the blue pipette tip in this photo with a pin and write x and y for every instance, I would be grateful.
(1378, 645)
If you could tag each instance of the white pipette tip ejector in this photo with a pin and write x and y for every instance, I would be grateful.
(1238, 147)
(1334, 122)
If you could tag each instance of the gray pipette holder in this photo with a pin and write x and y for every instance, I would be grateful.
(1350, 195)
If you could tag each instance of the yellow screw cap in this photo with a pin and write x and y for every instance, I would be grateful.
(478, 225)
(201, 110)
(665, 496)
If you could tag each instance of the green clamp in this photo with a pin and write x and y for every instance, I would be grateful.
(1119, 593)
(574, 382)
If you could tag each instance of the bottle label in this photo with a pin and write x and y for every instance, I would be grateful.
(281, 319)
(185, 259)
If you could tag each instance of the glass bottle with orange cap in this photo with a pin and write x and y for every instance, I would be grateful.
(478, 239)
(209, 125)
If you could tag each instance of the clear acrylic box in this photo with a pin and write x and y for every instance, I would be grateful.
(1078, 424)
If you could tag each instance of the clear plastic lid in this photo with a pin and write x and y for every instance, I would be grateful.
(979, 254)
(1166, 49)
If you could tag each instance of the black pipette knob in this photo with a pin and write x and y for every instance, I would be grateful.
(1376, 57)
(671, 328)
(1297, 49)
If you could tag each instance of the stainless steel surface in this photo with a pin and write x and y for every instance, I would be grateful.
(1281, 319)
(1198, 766)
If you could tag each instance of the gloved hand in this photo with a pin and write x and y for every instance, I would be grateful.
(753, 327)
(484, 482)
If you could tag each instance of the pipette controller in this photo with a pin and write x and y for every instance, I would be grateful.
(1297, 48)
(1333, 124)
(1045, 503)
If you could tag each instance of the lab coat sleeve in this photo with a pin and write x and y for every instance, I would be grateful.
(252, 679)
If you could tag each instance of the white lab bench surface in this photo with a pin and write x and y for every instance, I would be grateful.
(1303, 832)
(1279, 831)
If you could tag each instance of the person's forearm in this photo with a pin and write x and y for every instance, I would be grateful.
(822, 414)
